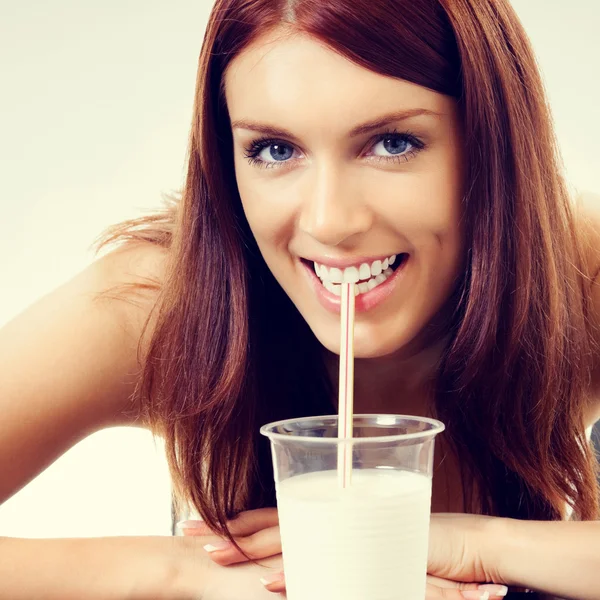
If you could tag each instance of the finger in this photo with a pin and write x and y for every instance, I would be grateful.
(274, 582)
(495, 591)
(194, 528)
(262, 544)
(251, 521)
(470, 590)
(245, 524)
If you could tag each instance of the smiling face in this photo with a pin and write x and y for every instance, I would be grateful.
(345, 174)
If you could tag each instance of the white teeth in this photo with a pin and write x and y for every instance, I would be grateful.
(359, 288)
(335, 275)
(376, 268)
(350, 275)
(364, 272)
(358, 275)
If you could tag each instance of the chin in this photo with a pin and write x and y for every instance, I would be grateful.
(376, 348)
(367, 343)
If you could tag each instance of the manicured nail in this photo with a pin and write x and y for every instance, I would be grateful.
(494, 590)
(273, 578)
(217, 546)
(476, 595)
(189, 524)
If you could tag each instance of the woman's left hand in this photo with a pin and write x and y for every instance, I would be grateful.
(257, 533)
(462, 547)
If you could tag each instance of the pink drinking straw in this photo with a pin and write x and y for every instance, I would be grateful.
(346, 385)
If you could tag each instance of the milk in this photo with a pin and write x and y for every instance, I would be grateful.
(365, 542)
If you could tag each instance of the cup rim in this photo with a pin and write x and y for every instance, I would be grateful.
(437, 427)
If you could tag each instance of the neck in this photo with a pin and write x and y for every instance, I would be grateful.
(393, 384)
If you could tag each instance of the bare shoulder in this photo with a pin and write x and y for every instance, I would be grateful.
(127, 282)
(69, 363)
(588, 221)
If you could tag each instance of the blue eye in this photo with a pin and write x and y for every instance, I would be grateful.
(269, 153)
(279, 152)
(395, 145)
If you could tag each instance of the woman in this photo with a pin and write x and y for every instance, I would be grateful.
(406, 144)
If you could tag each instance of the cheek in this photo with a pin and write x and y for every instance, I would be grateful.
(426, 211)
(270, 214)
(425, 208)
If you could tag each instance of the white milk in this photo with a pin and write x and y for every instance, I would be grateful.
(365, 542)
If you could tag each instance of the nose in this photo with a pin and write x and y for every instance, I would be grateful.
(333, 210)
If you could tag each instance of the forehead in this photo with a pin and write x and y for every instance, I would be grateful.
(298, 81)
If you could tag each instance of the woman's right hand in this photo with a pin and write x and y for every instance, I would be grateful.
(197, 576)
(257, 534)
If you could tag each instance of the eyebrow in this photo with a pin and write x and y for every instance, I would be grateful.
(356, 131)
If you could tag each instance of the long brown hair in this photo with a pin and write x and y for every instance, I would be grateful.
(230, 352)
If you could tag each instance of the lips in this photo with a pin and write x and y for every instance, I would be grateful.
(370, 290)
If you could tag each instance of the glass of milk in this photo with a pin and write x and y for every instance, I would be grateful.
(367, 540)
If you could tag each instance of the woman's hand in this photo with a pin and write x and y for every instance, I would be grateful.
(461, 547)
(197, 576)
(257, 534)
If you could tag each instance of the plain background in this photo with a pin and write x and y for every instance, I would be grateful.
(95, 104)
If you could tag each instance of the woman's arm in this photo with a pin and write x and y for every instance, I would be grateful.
(588, 227)
(68, 366)
(125, 568)
(118, 568)
(559, 558)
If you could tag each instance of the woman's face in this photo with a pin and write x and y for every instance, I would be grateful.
(339, 170)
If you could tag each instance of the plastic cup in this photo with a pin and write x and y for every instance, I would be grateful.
(367, 540)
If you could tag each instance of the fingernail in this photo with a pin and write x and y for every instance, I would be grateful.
(273, 578)
(217, 546)
(494, 590)
(477, 595)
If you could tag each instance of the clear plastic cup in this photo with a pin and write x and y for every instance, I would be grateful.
(366, 540)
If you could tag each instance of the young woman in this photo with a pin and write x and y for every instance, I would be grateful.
(405, 146)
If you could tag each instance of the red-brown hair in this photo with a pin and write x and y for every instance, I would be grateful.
(230, 352)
